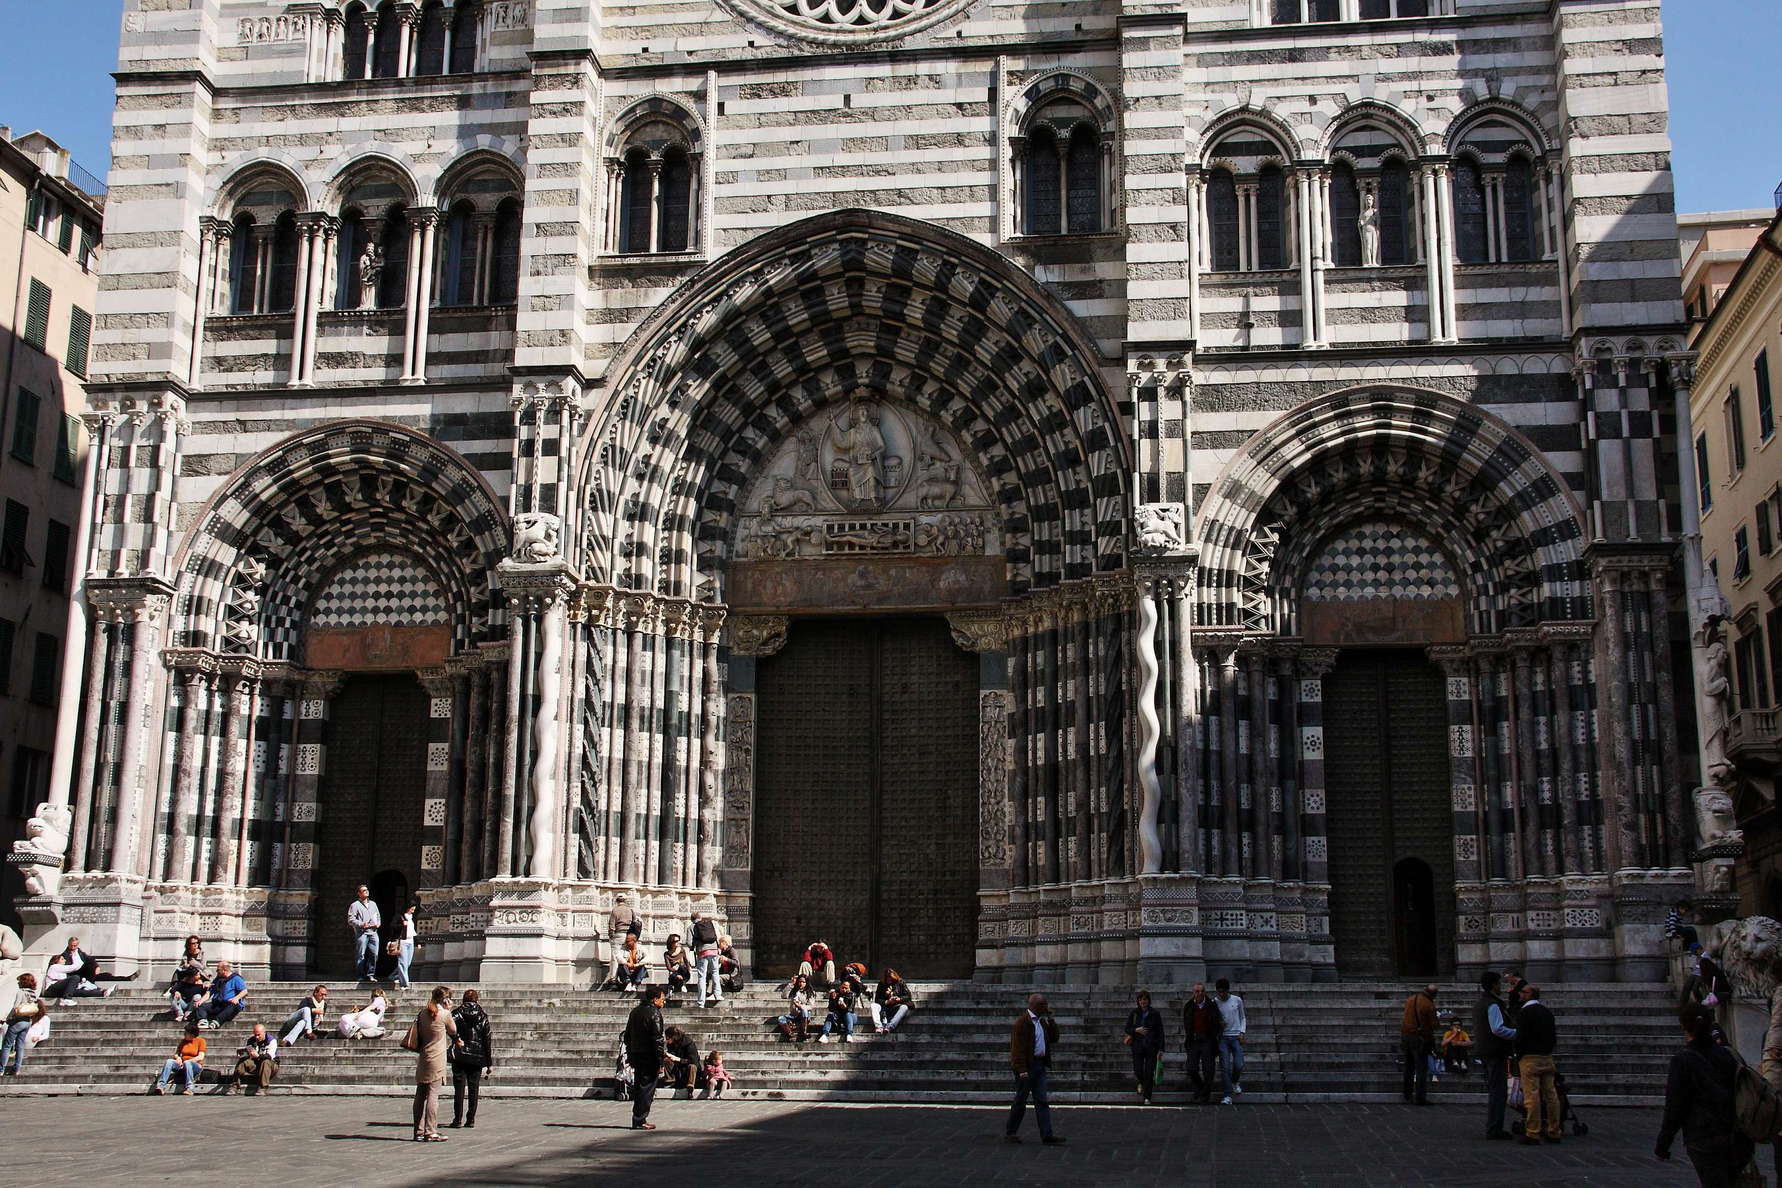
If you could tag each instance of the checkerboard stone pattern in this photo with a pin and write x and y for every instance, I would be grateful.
(1377, 559)
(381, 589)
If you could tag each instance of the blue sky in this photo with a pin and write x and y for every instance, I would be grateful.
(55, 74)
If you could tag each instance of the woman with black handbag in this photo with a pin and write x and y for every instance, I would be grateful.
(472, 1059)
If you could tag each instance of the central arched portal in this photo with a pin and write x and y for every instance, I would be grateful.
(884, 459)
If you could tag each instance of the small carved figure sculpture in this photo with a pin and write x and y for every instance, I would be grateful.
(1715, 820)
(939, 487)
(535, 537)
(784, 495)
(1160, 528)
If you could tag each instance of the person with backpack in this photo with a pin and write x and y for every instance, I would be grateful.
(1700, 1102)
(472, 1059)
(1537, 1035)
(705, 956)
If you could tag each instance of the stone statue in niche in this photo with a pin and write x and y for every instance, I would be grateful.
(1716, 677)
(371, 270)
(1160, 528)
(863, 461)
(536, 537)
(1369, 223)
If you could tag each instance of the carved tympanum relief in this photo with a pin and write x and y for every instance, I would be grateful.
(867, 477)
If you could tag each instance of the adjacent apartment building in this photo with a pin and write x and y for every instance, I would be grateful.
(50, 215)
(1733, 292)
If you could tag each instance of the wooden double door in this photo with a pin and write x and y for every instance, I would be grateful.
(866, 797)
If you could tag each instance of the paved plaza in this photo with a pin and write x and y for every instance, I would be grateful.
(364, 1141)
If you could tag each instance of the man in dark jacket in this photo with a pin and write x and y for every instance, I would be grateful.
(1492, 1037)
(646, 1046)
(681, 1057)
(1032, 1040)
(1202, 1025)
(1537, 1035)
(472, 1059)
(1144, 1031)
(1416, 1039)
(1699, 1101)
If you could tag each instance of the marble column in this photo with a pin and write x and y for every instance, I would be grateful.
(144, 647)
(238, 690)
(316, 691)
(442, 760)
(544, 825)
(423, 317)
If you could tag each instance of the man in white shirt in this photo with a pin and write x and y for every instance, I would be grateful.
(1032, 1040)
(1231, 1040)
(364, 919)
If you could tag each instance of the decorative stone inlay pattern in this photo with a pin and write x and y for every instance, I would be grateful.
(434, 812)
(440, 707)
(309, 758)
(432, 857)
(439, 756)
(838, 22)
(993, 766)
(1380, 560)
(303, 810)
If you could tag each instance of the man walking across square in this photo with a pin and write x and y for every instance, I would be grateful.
(1233, 1025)
(364, 919)
(1537, 1035)
(1202, 1025)
(646, 1048)
(1032, 1040)
(1416, 1038)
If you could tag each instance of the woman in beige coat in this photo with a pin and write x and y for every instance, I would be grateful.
(434, 1033)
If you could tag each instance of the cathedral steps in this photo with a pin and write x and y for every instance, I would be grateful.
(1306, 1044)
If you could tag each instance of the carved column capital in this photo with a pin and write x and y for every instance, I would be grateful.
(438, 680)
(1315, 663)
(1452, 659)
(979, 630)
(758, 635)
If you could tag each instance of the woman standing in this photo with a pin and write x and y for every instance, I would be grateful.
(434, 1032)
(1144, 1031)
(1699, 1101)
(26, 1010)
(405, 945)
(471, 1059)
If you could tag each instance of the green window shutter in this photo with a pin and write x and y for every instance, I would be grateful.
(24, 427)
(8, 629)
(65, 240)
(33, 208)
(37, 312)
(12, 537)
(56, 546)
(66, 466)
(46, 661)
(80, 338)
(88, 241)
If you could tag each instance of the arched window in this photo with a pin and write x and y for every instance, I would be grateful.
(1040, 179)
(1345, 216)
(392, 283)
(1472, 239)
(467, 21)
(1271, 218)
(1059, 168)
(1222, 218)
(673, 194)
(244, 258)
(358, 41)
(387, 50)
(504, 282)
(430, 48)
(351, 246)
(654, 197)
(1083, 163)
(479, 243)
(282, 283)
(1520, 218)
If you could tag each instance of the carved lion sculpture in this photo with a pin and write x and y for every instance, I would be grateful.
(1160, 527)
(1714, 816)
(1750, 951)
(536, 537)
(46, 836)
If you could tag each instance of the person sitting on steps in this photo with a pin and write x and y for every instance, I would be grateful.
(677, 964)
(841, 1013)
(256, 1062)
(681, 1063)
(635, 971)
(891, 1002)
(795, 1023)
(818, 963)
(367, 1023)
(301, 1023)
(227, 997)
(187, 1060)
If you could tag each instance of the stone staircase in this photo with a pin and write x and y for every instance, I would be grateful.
(1307, 1043)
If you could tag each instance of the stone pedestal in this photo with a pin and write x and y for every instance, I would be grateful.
(1169, 938)
(104, 910)
(1641, 898)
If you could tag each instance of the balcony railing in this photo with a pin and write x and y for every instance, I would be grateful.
(1755, 734)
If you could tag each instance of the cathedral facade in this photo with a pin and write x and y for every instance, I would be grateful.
(1075, 491)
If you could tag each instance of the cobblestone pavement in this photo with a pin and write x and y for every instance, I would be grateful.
(364, 1141)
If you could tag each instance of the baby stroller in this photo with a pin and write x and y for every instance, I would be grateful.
(1566, 1113)
(624, 1076)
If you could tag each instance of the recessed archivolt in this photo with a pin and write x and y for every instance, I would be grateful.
(802, 317)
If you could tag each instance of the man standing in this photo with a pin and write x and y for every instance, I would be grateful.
(1202, 1024)
(1232, 1024)
(705, 955)
(622, 922)
(1493, 1037)
(1032, 1040)
(364, 919)
(1416, 1039)
(646, 1046)
(1536, 1037)
(256, 1062)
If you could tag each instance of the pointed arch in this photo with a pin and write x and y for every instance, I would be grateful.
(721, 373)
(270, 536)
(1394, 453)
